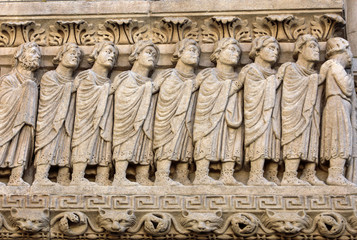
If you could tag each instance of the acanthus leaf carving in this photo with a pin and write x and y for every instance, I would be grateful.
(216, 28)
(13, 34)
(242, 224)
(79, 32)
(282, 27)
(119, 31)
(326, 26)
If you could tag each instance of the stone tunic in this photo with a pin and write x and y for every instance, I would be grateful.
(218, 131)
(261, 113)
(54, 120)
(300, 104)
(337, 127)
(174, 117)
(93, 125)
(18, 108)
(133, 119)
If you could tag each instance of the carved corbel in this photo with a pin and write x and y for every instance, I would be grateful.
(79, 32)
(119, 31)
(326, 26)
(216, 28)
(282, 27)
(13, 34)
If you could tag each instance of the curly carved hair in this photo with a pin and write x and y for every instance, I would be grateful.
(259, 43)
(180, 46)
(138, 47)
(99, 47)
(300, 42)
(65, 48)
(220, 45)
(19, 54)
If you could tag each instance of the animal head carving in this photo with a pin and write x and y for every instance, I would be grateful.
(30, 220)
(116, 221)
(201, 222)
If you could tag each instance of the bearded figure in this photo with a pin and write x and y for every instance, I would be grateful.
(18, 109)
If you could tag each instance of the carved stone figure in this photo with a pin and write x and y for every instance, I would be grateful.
(30, 220)
(201, 222)
(18, 108)
(56, 117)
(134, 115)
(300, 115)
(286, 223)
(174, 114)
(262, 111)
(93, 126)
(339, 114)
(116, 221)
(218, 129)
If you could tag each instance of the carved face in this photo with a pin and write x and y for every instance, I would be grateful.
(202, 222)
(190, 55)
(310, 51)
(31, 59)
(115, 221)
(348, 56)
(106, 57)
(269, 53)
(30, 220)
(147, 57)
(229, 55)
(71, 58)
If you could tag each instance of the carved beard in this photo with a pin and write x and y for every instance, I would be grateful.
(30, 65)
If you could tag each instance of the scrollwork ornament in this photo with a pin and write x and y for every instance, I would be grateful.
(242, 224)
(326, 26)
(216, 28)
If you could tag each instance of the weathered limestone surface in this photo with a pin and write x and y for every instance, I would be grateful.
(162, 117)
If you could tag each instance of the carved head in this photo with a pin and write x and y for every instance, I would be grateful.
(145, 53)
(202, 222)
(307, 47)
(30, 220)
(287, 222)
(226, 51)
(28, 56)
(339, 48)
(69, 55)
(116, 221)
(105, 54)
(266, 48)
(187, 51)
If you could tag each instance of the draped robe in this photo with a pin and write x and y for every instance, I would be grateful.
(54, 120)
(338, 123)
(300, 112)
(18, 108)
(174, 117)
(218, 130)
(133, 119)
(261, 113)
(93, 125)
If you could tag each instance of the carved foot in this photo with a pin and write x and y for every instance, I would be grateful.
(18, 182)
(230, 180)
(123, 181)
(43, 182)
(271, 176)
(182, 177)
(336, 178)
(309, 176)
(290, 179)
(203, 179)
(256, 179)
(82, 182)
(163, 179)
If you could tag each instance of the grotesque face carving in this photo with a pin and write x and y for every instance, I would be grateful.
(190, 55)
(116, 221)
(269, 53)
(106, 57)
(30, 220)
(202, 222)
(147, 57)
(288, 223)
(229, 55)
(310, 51)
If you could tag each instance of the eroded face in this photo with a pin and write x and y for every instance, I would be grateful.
(71, 58)
(348, 57)
(269, 53)
(31, 59)
(229, 55)
(107, 56)
(147, 57)
(311, 51)
(190, 55)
